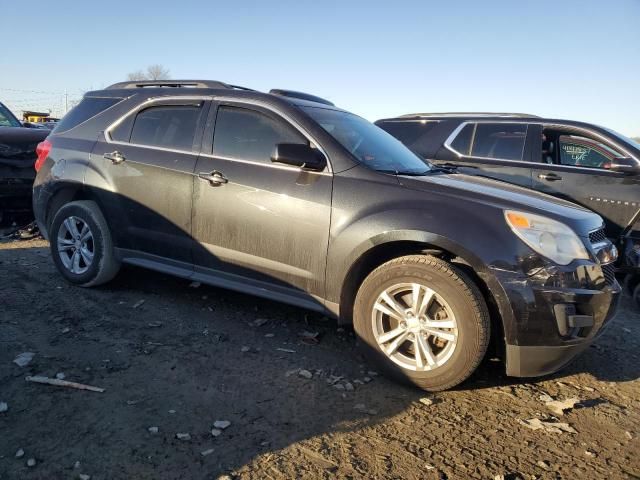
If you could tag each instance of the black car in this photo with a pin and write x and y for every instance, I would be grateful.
(284, 196)
(17, 159)
(580, 162)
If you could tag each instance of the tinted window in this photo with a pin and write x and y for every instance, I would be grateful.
(88, 108)
(415, 134)
(249, 135)
(582, 152)
(499, 140)
(462, 142)
(167, 126)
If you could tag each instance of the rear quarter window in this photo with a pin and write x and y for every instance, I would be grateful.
(462, 142)
(88, 108)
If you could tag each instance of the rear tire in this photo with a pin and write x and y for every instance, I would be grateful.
(81, 244)
(422, 321)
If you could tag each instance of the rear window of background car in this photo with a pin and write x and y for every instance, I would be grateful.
(166, 126)
(250, 135)
(88, 108)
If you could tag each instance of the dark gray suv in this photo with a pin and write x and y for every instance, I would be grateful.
(285, 196)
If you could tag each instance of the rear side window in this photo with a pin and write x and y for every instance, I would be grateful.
(88, 108)
(499, 140)
(249, 135)
(166, 126)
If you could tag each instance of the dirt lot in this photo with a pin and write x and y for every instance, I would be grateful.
(178, 358)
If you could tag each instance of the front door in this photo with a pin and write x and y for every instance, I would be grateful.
(573, 165)
(146, 165)
(256, 222)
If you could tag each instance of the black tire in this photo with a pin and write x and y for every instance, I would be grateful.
(465, 302)
(104, 265)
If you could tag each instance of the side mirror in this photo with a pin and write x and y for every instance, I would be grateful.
(299, 155)
(624, 165)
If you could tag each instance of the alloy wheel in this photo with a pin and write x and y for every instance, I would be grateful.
(76, 246)
(414, 326)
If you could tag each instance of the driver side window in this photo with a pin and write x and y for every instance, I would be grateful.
(246, 134)
(583, 152)
(565, 148)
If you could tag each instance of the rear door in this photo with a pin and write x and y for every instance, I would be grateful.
(573, 165)
(495, 150)
(148, 160)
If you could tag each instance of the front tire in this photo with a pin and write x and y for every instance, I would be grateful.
(81, 244)
(422, 321)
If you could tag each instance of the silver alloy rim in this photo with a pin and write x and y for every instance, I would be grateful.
(414, 327)
(75, 245)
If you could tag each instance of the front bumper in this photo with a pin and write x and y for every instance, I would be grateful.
(540, 336)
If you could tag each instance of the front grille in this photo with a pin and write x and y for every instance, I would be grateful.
(609, 269)
(597, 236)
(609, 272)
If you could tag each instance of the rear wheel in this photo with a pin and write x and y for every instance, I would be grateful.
(422, 321)
(81, 244)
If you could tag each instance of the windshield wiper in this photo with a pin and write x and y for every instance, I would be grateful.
(406, 173)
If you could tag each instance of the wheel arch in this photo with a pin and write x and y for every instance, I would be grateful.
(409, 243)
(67, 192)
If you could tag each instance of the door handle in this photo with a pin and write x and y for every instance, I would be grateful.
(214, 178)
(116, 157)
(550, 177)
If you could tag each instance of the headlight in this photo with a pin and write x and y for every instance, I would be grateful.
(549, 238)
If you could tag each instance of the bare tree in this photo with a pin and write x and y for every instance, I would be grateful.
(137, 75)
(153, 72)
(158, 72)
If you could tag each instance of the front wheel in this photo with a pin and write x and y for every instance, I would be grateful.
(423, 321)
(81, 244)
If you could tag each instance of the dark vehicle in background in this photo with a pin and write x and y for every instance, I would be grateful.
(284, 196)
(580, 162)
(17, 158)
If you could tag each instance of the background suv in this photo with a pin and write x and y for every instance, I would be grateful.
(580, 162)
(285, 196)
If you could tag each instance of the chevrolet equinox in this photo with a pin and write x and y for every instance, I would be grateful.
(284, 196)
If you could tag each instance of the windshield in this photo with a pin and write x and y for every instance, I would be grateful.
(628, 140)
(7, 119)
(369, 144)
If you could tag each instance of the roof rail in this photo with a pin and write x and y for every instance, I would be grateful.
(470, 114)
(300, 95)
(169, 83)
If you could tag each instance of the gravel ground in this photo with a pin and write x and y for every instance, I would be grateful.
(174, 358)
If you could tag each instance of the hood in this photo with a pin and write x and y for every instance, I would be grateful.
(18, 146)
(506, 197)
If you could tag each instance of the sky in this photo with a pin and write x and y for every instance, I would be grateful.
(574, 59)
